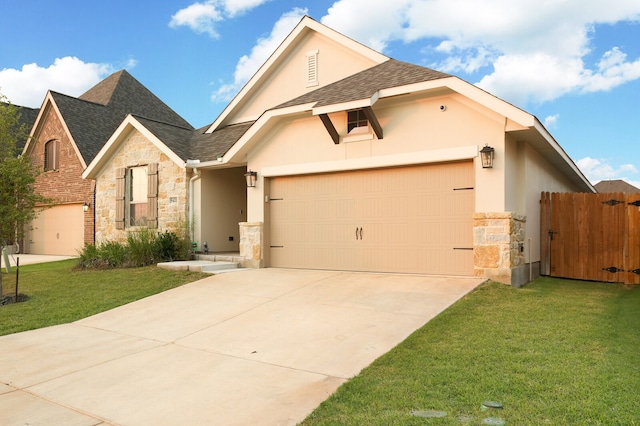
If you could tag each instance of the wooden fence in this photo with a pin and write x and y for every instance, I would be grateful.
(592, 237)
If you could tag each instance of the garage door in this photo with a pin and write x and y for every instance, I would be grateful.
(410, 220)
(58, 231)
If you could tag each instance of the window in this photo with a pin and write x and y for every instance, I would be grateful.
(312, 68)
(136, 200)
(357, 122)
(51, 155)
(137, 196)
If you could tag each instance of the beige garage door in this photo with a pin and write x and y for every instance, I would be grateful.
(58, 231)
(411, 219)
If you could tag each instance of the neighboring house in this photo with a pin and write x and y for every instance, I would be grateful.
(27, 118)
(616, 185)
(66, 136)
(361, 162)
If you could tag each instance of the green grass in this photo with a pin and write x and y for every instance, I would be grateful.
(555, 352)
(58, 294)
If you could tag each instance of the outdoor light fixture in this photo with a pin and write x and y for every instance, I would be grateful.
(85, 206)
(486, 155)
(251, 178)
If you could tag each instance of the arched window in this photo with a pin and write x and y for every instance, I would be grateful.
(51, 155)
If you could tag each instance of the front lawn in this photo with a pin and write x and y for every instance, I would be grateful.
(57, 294)
(555, 352)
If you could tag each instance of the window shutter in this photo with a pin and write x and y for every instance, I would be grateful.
(120, 190)
(152, 195)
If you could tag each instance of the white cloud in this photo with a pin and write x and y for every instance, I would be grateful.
(202, 17)
(370, 22)
(69, 75)
(249, 64)
(537, 51)
(551, 120)
(598, 169)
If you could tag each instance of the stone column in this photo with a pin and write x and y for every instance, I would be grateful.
(498, 241)
(251, 239)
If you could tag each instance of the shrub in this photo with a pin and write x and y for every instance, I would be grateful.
(112, 254)
(143, 247)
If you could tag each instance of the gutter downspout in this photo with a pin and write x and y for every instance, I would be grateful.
(196, 176)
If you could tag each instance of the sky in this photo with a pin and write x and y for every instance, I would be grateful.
(574, 64)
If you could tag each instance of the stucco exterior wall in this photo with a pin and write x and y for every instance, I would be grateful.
(136, 150)
(288, 79)
(221, 205)
(415, 131)
(540, 176)
(64, 185)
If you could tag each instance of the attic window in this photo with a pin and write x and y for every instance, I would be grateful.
(357, 122)
(312, 68)
(51, 155)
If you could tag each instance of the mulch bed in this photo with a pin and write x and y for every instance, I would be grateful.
(6, 300)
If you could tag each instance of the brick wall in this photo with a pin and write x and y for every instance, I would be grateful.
(64, 185)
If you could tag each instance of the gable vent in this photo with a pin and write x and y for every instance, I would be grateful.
(312, 68)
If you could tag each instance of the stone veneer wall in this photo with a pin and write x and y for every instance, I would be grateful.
(498, 241)
(251, 240)
(173, 187)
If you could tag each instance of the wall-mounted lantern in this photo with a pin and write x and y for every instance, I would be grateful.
(486, 155)
(251, 178)
(85, 207)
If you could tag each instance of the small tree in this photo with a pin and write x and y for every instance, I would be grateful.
(18, 199)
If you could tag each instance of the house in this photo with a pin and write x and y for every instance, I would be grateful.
(615, 185)
(26, 117)
(66, 136)
(354, 161)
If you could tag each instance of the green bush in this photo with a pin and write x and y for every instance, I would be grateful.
(111, 254)
(143, 247)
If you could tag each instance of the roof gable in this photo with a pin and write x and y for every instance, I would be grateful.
(93, 117)
(283, 75)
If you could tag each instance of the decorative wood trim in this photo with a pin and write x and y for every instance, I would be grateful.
(330, 128)
(373, 121)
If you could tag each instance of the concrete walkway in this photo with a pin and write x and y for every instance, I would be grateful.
(30, 259)
(261, 346)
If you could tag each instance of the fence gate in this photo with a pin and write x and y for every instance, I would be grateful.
(591, 236)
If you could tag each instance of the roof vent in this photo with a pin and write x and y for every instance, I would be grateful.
(312, 68)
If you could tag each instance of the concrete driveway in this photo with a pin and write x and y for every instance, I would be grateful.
(261, 346)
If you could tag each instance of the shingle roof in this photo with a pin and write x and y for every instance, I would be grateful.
(363, 85)
(192, 144)
(616, 185)
(94, 116)
(176, 138)
(27, 118)
(208, 146)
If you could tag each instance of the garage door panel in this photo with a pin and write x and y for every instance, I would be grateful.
(58, 230)
(412, 219)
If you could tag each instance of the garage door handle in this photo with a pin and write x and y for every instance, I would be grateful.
(358, 233)
(361, 233)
